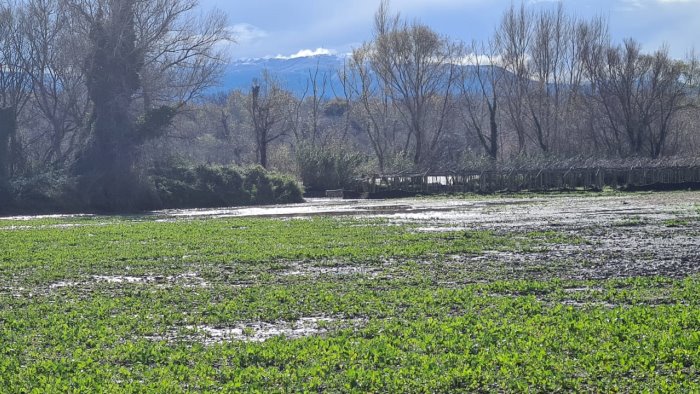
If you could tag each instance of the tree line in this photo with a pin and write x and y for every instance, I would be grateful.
(94, 94)
(546, 84)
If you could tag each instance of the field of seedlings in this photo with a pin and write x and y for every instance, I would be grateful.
(544, 293)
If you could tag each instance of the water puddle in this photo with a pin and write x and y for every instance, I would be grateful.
(47, 226)
(62, 284)
(258, 331)
(588, 304)
(189, 279)
(128, 279)
(440, 229)
(340, 270)
(58, 216)
(583, 289)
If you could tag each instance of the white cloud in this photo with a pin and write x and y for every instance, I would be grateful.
(341, 26)
(631, 5)
(245, 33)
(308, 53)
(473, 59)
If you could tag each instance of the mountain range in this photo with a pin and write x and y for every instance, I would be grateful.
(292, 73)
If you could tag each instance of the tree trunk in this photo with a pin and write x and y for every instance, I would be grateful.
(8, 127)
(493, 149)
(263, 155)
(418, 156)
(107, 179)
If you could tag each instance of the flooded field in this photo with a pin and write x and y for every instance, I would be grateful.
(497, 211)
(627, 234)
(592, 290)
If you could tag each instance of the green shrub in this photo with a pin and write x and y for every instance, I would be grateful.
(285, 189)
(166, 186)
(41, 193)
(257, 184)
(328, 168)
(215, 186)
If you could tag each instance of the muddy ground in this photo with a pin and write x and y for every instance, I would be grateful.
(619, 236)
(626, 235)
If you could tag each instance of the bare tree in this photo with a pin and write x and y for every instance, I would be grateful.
(547, 82)
(270, 109)
(416, 68)
(58, 79)
(556, 70)
(308, 111)
(480, 90)
(129, 38)
(640, 95)
(514, 36)
(372, 108)
(547, 55)
(182, 51)
(15, 87)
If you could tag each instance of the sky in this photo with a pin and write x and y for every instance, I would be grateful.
(288, 28)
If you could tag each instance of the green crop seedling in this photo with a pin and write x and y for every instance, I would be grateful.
(350, 304)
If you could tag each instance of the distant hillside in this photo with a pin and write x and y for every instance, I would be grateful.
(292, 73)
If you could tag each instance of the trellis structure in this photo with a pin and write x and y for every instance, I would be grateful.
(491, 181)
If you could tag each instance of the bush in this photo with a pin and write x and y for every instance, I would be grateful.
(286, 189)
(166, 186)
(328, 168)
(41, 193)
(215, 186)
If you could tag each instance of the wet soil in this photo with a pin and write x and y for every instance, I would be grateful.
(621, 236)
(624, 235)
(257, 331)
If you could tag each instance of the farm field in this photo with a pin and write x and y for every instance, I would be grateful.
(535, 293)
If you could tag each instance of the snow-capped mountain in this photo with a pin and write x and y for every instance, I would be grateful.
(292, 73)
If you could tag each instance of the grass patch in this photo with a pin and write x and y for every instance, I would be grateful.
(633, 221)
(677, 222)
(130, 304)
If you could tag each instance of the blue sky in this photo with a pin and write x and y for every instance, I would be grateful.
(286, 27)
